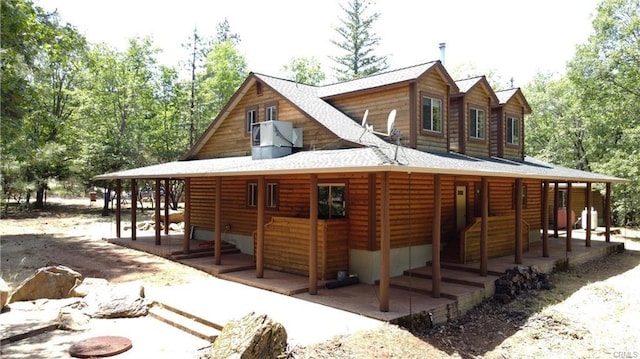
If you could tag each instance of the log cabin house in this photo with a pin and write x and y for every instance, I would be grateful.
(291, 174)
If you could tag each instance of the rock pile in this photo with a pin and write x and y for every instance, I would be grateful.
(519, 280)
(251, 337)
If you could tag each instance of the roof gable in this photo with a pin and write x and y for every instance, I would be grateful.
(383, 79)
(515, 94)
(480, 82)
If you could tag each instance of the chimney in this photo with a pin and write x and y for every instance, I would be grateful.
(442, 47)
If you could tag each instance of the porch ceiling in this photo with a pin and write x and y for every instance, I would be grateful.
(368, 159)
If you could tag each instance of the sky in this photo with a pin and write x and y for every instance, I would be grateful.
(512, 38)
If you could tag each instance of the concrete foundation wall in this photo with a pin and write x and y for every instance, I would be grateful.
(366, 264)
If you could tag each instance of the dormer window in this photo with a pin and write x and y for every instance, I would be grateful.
(513, 131)
(271, 111)
(476, 124)
(431, 114)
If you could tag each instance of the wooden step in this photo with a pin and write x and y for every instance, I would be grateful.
(201, 254)
(187, 323)
(463, 268)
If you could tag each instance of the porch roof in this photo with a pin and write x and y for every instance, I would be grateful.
(367, 159)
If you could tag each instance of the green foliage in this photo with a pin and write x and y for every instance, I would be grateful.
(358, 41)
(590, 119)
(225, 70)
(306, 70)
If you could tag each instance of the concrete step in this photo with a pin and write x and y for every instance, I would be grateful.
(454, 276)
(188, 323)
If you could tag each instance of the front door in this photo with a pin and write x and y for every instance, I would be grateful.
(461, 207)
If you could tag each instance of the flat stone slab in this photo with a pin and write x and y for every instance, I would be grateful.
(100, 347)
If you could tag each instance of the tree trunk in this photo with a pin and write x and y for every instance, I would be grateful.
(40, 196)
(105, 208)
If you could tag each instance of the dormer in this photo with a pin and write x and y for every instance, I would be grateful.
(469, 117)
(507, 124)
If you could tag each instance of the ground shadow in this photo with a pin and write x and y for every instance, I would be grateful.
(486, 326)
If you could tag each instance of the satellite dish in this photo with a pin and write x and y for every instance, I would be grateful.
(390, 121)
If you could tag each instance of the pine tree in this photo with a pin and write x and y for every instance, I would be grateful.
(358, 41)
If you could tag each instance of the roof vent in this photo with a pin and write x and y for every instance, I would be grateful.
(442, 48)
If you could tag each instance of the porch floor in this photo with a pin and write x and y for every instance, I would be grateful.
(409, 294)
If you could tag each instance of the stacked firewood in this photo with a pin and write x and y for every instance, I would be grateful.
(521, 279)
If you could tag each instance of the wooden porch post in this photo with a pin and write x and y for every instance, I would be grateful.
(217, 246)
(118, 208)
(587, 241)
(157, 211)
(607, 213)
(187, 216)
(556, 206)
(134, 208)
(569, 222)
(260, 224)
(518, 194)
(545, 218)
(313, 234)
(435, 233)
(385, 244)
(167, 192)
(484, 234)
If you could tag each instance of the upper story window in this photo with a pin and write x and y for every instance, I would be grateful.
(251, 117)
(513, 131)
(431, 114)
(476, 123)
(271, 111)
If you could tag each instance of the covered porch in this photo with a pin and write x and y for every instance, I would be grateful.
(410, 294)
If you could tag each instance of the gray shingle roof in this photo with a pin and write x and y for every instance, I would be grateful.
(466, 84)
(306, 99)
(376, 80)
(505, 95)
(364, 159)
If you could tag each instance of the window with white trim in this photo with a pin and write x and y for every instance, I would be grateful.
(476, 123)
(251, 118)
(252, 194)
(513, 131)
(431, 114)
(272, 195)
(271, 111)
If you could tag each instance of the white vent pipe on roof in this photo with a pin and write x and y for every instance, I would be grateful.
(442, 48)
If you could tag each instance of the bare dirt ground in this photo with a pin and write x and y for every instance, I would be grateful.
(593, 311)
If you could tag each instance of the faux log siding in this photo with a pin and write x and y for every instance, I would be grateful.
(493, 128)
(231, 139)
(287, 246)
(379, 104)
(532, 213)
(501, 241)
(454, 124)
(432, 83)
(202, 195)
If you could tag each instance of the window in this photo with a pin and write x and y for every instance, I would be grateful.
(251, 118)
(272, 195)
(271, 111)
(476, 124)
(562, 202)
(513, 131)
(331, 201)
(431, 114)
(252, 194)
(524, 196)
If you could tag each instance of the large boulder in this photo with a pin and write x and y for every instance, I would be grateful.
(4, 293)
(52, 282)
(116, 301)
(252, 336)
